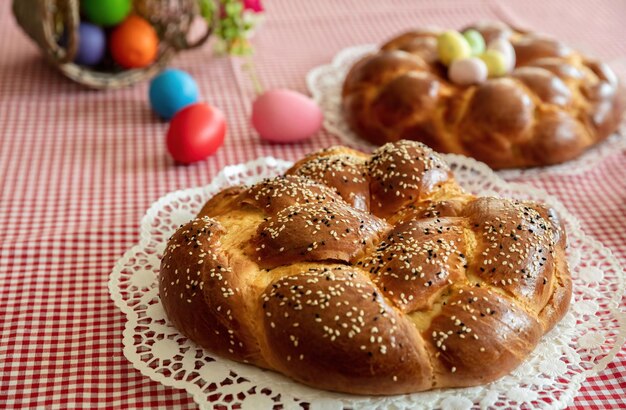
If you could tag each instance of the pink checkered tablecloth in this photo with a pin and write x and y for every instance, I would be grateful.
(79, 168)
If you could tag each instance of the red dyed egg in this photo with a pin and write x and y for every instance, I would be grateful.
(195, 132)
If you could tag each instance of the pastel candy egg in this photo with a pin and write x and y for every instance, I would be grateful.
(504, 46)
(171, 91)
(285, 116)
(467, 71)
(195, 132)
(106, 12)
(475, 41)
(91, 45)
(496, 63)
(451, 45)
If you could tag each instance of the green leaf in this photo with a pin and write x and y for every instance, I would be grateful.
(207, 9)
(231, 29)
(233, 9)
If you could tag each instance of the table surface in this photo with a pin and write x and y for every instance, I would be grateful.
(79, 168)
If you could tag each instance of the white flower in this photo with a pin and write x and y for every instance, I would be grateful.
(290, 404)
(189, 360)
(591, 274)
(165, 349)
(521, 395)
(212, 371)
(456, 403)
(585, 307)
(553, 367)
(179, 217)
(489, 400)
(155, 311)
(326, 404)
(591, 340)
(143, 278)
(257, 401)
(546, 350)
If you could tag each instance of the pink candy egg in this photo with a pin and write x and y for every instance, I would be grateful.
(285, 116)
(466, 71)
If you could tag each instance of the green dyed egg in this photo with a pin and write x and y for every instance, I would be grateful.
(496, 63)
(106, 12)
(451, 45)
(475, 41)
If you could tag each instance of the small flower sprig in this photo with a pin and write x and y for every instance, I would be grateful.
(235, 24)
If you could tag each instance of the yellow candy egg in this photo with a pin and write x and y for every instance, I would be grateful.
(504, 46)
(451, 45)
(496, 63)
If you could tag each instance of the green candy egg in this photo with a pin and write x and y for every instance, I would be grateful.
(451, 45)
(106, 12)
(496, 63)
(475, 41)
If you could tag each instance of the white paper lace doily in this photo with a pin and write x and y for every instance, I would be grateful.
(325, 83)
(581, 345)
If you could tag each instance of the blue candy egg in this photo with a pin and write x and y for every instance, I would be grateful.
(171, 91)
(91, 45)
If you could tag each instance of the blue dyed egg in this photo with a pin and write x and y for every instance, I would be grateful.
(171, 91)
(91, 45)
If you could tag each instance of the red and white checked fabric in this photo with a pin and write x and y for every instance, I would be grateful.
(79, 168)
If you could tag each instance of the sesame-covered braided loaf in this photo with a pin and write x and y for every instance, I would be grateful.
(368, 274)
(555, 104)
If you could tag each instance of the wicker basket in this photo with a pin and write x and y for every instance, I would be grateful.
(44, 20)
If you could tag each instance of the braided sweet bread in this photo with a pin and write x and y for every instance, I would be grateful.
(368, 274)
(554, 105)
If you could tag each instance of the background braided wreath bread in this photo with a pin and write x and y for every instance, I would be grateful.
(368, 274)
(554, 105)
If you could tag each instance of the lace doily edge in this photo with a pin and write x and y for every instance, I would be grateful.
(114, 280)
(222, 178)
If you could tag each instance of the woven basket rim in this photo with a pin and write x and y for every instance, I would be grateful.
(37, 18)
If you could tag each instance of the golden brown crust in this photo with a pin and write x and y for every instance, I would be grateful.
(480, 336)
(275, 194)
(339, 167)
(429, 288)
(341, 334)
(553, 106)
(315, 232)
(417, 261)
(403, 173)
(519, 231)
(200, 288)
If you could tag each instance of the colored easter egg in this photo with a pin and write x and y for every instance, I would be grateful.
(505, 47)
(285, 116)
(106, 12)
(134, 43)
(496, 63)
(451, 45)
(195, 132)
(467, 71)
(171, 91)
(475, 41)
(91, 45)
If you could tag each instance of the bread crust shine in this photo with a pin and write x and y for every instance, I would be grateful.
(553, 106)
(368, 274)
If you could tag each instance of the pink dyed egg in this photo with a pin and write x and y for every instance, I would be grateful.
(285, 116)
